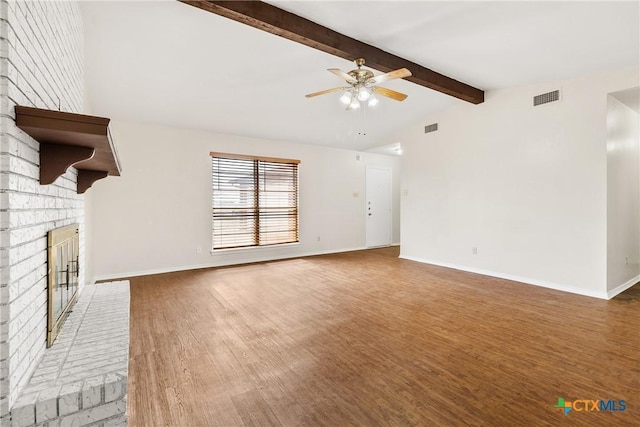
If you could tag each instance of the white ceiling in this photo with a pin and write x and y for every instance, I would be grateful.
(170, 63)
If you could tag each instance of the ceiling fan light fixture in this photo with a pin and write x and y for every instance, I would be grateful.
(363, 93)
(373, 101)
(355, 104)
(346, 98)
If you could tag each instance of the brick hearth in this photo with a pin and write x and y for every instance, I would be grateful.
(82, 378)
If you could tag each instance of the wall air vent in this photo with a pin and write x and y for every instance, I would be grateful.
(431, 128)
(545, 98)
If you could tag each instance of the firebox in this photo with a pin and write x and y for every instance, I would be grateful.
(63, 250)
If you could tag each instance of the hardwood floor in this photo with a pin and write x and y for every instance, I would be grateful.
(364, 338)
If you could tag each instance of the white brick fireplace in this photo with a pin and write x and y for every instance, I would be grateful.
(41, 65)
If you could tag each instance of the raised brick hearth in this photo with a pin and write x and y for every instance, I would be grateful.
(82, 378)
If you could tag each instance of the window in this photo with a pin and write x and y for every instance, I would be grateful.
(255, 201)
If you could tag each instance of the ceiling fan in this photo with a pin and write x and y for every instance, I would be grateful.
(363, 86)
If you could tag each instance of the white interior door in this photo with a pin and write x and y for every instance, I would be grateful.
(379, 206)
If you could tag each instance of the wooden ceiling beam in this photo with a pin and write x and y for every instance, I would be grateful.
(285, 24)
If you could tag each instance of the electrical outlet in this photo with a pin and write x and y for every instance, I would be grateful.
(318, 238)
(474, 250)
(199, 249)
(626, 260)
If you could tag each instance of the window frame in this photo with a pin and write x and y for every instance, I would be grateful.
(258, 177)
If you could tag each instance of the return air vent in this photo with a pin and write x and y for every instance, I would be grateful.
(431, 128)
(545, 98)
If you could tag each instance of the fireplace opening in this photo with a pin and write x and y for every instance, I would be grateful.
(63, 250)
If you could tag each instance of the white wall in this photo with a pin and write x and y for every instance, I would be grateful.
(623, 195)
(41, 65)
(158, 213)
(525, 185)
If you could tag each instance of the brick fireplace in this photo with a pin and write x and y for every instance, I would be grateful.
(33, 75)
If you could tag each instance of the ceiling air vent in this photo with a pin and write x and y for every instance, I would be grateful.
(545, 98)
(431, 128)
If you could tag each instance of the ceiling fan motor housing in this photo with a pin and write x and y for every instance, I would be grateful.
(360, 75)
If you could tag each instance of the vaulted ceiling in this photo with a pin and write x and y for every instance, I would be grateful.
(170, 63)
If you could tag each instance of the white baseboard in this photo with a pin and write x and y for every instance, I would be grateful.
(527, 280)
(220, 264)
(618, 290)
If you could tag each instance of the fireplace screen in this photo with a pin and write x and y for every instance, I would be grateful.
(63, 250)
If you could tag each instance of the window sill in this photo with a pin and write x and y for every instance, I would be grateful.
(251, 248)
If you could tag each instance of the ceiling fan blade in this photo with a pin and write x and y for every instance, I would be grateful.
(397, 74)
(322, 92)
(390, 93)
(342, 74)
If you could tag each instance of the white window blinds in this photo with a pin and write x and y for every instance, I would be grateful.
(255, 201)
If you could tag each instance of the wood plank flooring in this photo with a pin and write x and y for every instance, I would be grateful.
(367, 339)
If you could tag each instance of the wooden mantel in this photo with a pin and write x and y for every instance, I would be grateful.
(69, 139)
